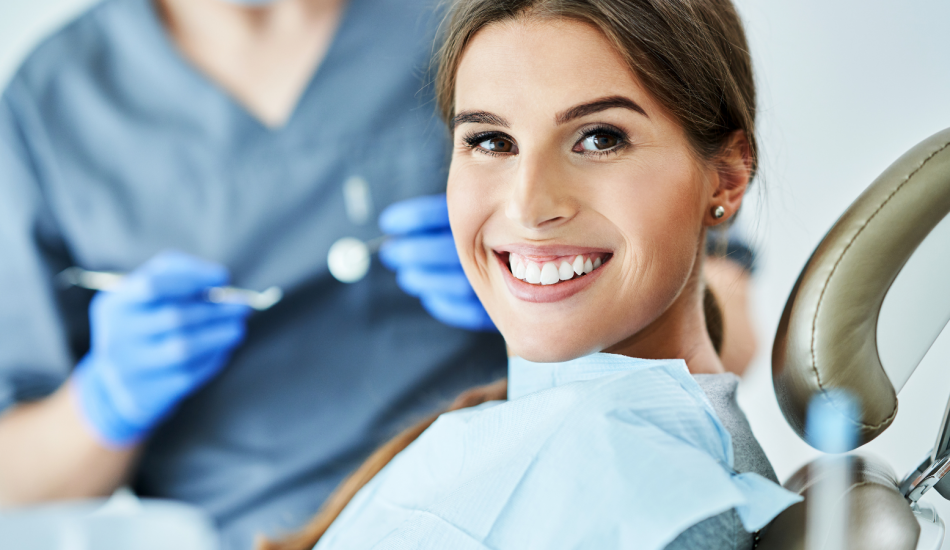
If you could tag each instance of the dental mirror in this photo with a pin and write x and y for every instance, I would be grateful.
(349, 258)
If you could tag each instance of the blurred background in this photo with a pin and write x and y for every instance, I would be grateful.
(846, 86)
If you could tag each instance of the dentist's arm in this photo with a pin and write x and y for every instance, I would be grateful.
(155, 340)
(50, 453)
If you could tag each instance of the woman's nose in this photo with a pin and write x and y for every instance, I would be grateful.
(540, 197)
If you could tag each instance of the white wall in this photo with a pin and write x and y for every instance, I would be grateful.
(846, 86)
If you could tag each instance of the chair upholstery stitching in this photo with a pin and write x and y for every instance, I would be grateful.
(834, 268)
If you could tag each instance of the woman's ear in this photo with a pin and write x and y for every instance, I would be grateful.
(733, 173)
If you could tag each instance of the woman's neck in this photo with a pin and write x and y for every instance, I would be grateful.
(263, 56)
(679, 333)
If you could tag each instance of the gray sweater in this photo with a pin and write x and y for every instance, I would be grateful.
(725, 531)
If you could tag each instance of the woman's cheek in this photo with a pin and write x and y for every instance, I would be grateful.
(466, 215)
(476, 209)
(659, 215)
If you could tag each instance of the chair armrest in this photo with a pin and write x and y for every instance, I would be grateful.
(880, 518)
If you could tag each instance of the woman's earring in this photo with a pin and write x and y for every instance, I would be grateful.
(719, 212)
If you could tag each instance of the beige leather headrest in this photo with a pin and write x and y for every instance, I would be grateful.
(827, 337)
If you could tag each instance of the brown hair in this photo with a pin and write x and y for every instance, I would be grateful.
(691, 55)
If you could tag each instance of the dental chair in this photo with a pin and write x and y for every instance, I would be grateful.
(827, 342)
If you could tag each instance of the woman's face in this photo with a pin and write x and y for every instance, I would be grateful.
(576, 203)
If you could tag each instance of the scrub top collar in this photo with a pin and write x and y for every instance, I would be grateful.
(526, 377)
(158, 40)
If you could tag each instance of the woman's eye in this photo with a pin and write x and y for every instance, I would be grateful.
(599, 142)
(497, 145)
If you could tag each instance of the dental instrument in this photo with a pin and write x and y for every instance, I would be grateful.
(108, 280)
(349, 257)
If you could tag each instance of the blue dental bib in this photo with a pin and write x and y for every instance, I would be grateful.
(600, 452)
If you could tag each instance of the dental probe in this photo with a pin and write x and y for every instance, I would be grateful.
(348, 259)
(108, 280)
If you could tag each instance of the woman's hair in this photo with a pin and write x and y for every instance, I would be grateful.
(691, 55)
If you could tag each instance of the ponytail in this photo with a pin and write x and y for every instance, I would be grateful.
(714, 319)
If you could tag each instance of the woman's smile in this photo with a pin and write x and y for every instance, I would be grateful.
(549, 273)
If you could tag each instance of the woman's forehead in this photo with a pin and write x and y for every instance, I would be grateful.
(542, 64)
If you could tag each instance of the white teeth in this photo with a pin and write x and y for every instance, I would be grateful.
(517, 266)
(549, 274)
(578, 265)
(532, 273)
(565, 272)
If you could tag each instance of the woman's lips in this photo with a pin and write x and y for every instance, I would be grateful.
(550, 275)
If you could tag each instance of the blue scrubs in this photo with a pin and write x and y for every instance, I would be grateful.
(113, 148)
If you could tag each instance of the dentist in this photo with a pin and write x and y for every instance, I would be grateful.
(252, 136)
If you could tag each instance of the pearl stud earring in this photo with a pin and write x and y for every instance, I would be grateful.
(719, 212)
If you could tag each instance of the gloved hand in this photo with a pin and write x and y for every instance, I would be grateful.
(423, 255)
(155, 340)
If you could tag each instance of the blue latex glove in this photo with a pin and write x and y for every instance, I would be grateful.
(155, 340)
(422, 253)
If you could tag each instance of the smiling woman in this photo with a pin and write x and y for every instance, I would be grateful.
(595, 142)
(573, 161)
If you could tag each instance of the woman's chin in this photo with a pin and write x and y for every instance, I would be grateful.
(548, 348)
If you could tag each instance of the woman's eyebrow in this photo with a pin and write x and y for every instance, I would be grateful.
(479, 117)
(598, 105)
